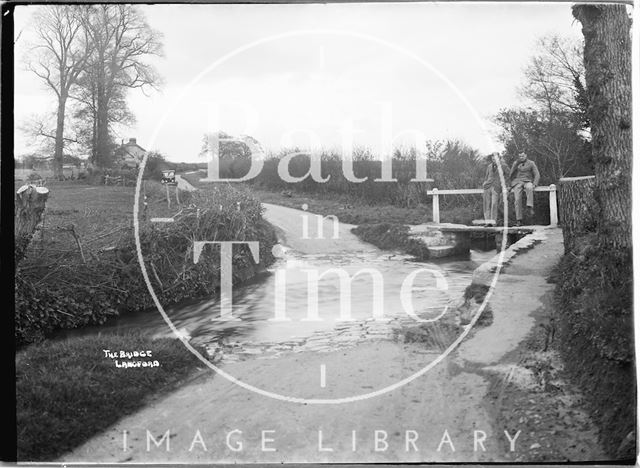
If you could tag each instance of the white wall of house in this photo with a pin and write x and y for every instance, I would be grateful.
(130, 153)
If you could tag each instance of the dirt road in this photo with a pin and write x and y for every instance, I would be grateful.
(289, 223)
(443, 415)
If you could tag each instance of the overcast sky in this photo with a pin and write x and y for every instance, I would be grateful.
(304, 74)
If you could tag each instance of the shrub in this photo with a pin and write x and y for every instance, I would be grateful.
(221, 214)
(155, 165)
(41, 309)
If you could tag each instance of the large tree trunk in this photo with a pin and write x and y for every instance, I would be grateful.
(607, 61)
(94, 135)
(30, 204)
(58, 155)
(578, 215)
(103, 147)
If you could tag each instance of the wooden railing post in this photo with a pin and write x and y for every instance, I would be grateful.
(436, 206)
(553, 200)
(553, 205)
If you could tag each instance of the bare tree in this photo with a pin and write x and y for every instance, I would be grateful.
(607, 62)
(121, 41)
(555, 75)
(41, 129)
(553, 126)
(58, 57)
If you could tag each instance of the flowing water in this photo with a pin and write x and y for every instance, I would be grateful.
(372, 283)
(254, 303)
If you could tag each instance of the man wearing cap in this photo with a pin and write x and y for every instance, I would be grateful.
(492, 187)
(524, 174)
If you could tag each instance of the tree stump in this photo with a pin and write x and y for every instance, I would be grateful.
(29, 206)
(578, 208)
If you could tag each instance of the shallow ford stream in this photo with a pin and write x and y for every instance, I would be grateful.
(440, 285)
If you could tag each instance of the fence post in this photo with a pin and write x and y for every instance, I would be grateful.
(436, 206)
(553, 205)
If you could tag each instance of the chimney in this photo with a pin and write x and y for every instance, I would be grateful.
(132, 141)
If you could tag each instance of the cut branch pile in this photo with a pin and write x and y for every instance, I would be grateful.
(73, 287)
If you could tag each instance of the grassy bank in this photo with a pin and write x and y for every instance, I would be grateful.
(388, 236)
(350, 211)
(594, 298)
(540, 400)
(68, 391)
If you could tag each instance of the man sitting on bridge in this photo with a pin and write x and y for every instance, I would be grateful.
(492, 186)
(524, 174)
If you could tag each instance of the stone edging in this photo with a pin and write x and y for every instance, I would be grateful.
(483, 275)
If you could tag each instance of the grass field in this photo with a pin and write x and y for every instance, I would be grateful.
(23, 174)
(68, 391)
(99, 214)
(94, 211)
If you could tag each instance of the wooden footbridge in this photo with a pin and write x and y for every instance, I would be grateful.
(445, 239)
(436, 194)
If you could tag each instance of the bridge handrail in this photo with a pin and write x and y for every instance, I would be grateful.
(435, 193)
(541, 188)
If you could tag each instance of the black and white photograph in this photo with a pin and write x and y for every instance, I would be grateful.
(321, 233)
